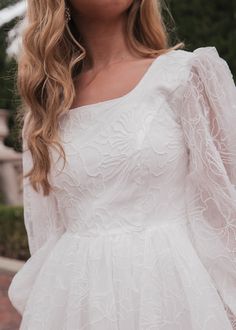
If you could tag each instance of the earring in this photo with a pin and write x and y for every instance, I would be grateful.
(68, 16)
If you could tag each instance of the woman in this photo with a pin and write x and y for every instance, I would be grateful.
(135, 226)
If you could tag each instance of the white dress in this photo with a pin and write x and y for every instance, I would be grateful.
(140, 232)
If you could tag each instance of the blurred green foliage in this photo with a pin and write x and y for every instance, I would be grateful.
(202, 23)
(9, 98)
(13, 238)
(7, 67)
(5, 3)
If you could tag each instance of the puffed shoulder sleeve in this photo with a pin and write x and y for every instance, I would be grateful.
(208, 118)
(41, 216)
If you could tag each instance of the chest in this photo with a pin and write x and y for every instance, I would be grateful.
(110, 83)
(137, 141)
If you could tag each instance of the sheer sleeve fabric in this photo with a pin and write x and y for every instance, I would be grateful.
(41, 217)
(208, 118)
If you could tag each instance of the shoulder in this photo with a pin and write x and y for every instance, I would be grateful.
(202, 59)
(181, 58)
(201, 72)
(199, 54)
(175, 67)
(184, 68)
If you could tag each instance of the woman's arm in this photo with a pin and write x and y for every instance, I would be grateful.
(41, 216)
(208, 118)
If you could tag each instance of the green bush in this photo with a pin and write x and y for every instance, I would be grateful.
(202, 23)
(13, 236)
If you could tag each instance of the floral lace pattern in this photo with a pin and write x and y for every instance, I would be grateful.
(140, 231)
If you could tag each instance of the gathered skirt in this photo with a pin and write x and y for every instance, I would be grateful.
(152, 280)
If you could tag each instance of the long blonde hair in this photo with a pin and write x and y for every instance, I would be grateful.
(51, 57)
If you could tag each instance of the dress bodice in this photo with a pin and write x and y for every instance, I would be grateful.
(126, 158)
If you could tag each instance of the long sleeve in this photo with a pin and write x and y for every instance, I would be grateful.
(208, 118)
(41, 216)
(44, 227)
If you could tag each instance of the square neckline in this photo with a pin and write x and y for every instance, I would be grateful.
(126, 95)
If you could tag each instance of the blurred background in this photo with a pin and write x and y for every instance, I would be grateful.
(198, 23)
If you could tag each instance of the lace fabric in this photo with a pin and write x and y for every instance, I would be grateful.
(208, 116)
(140, 232)
(41, 215)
